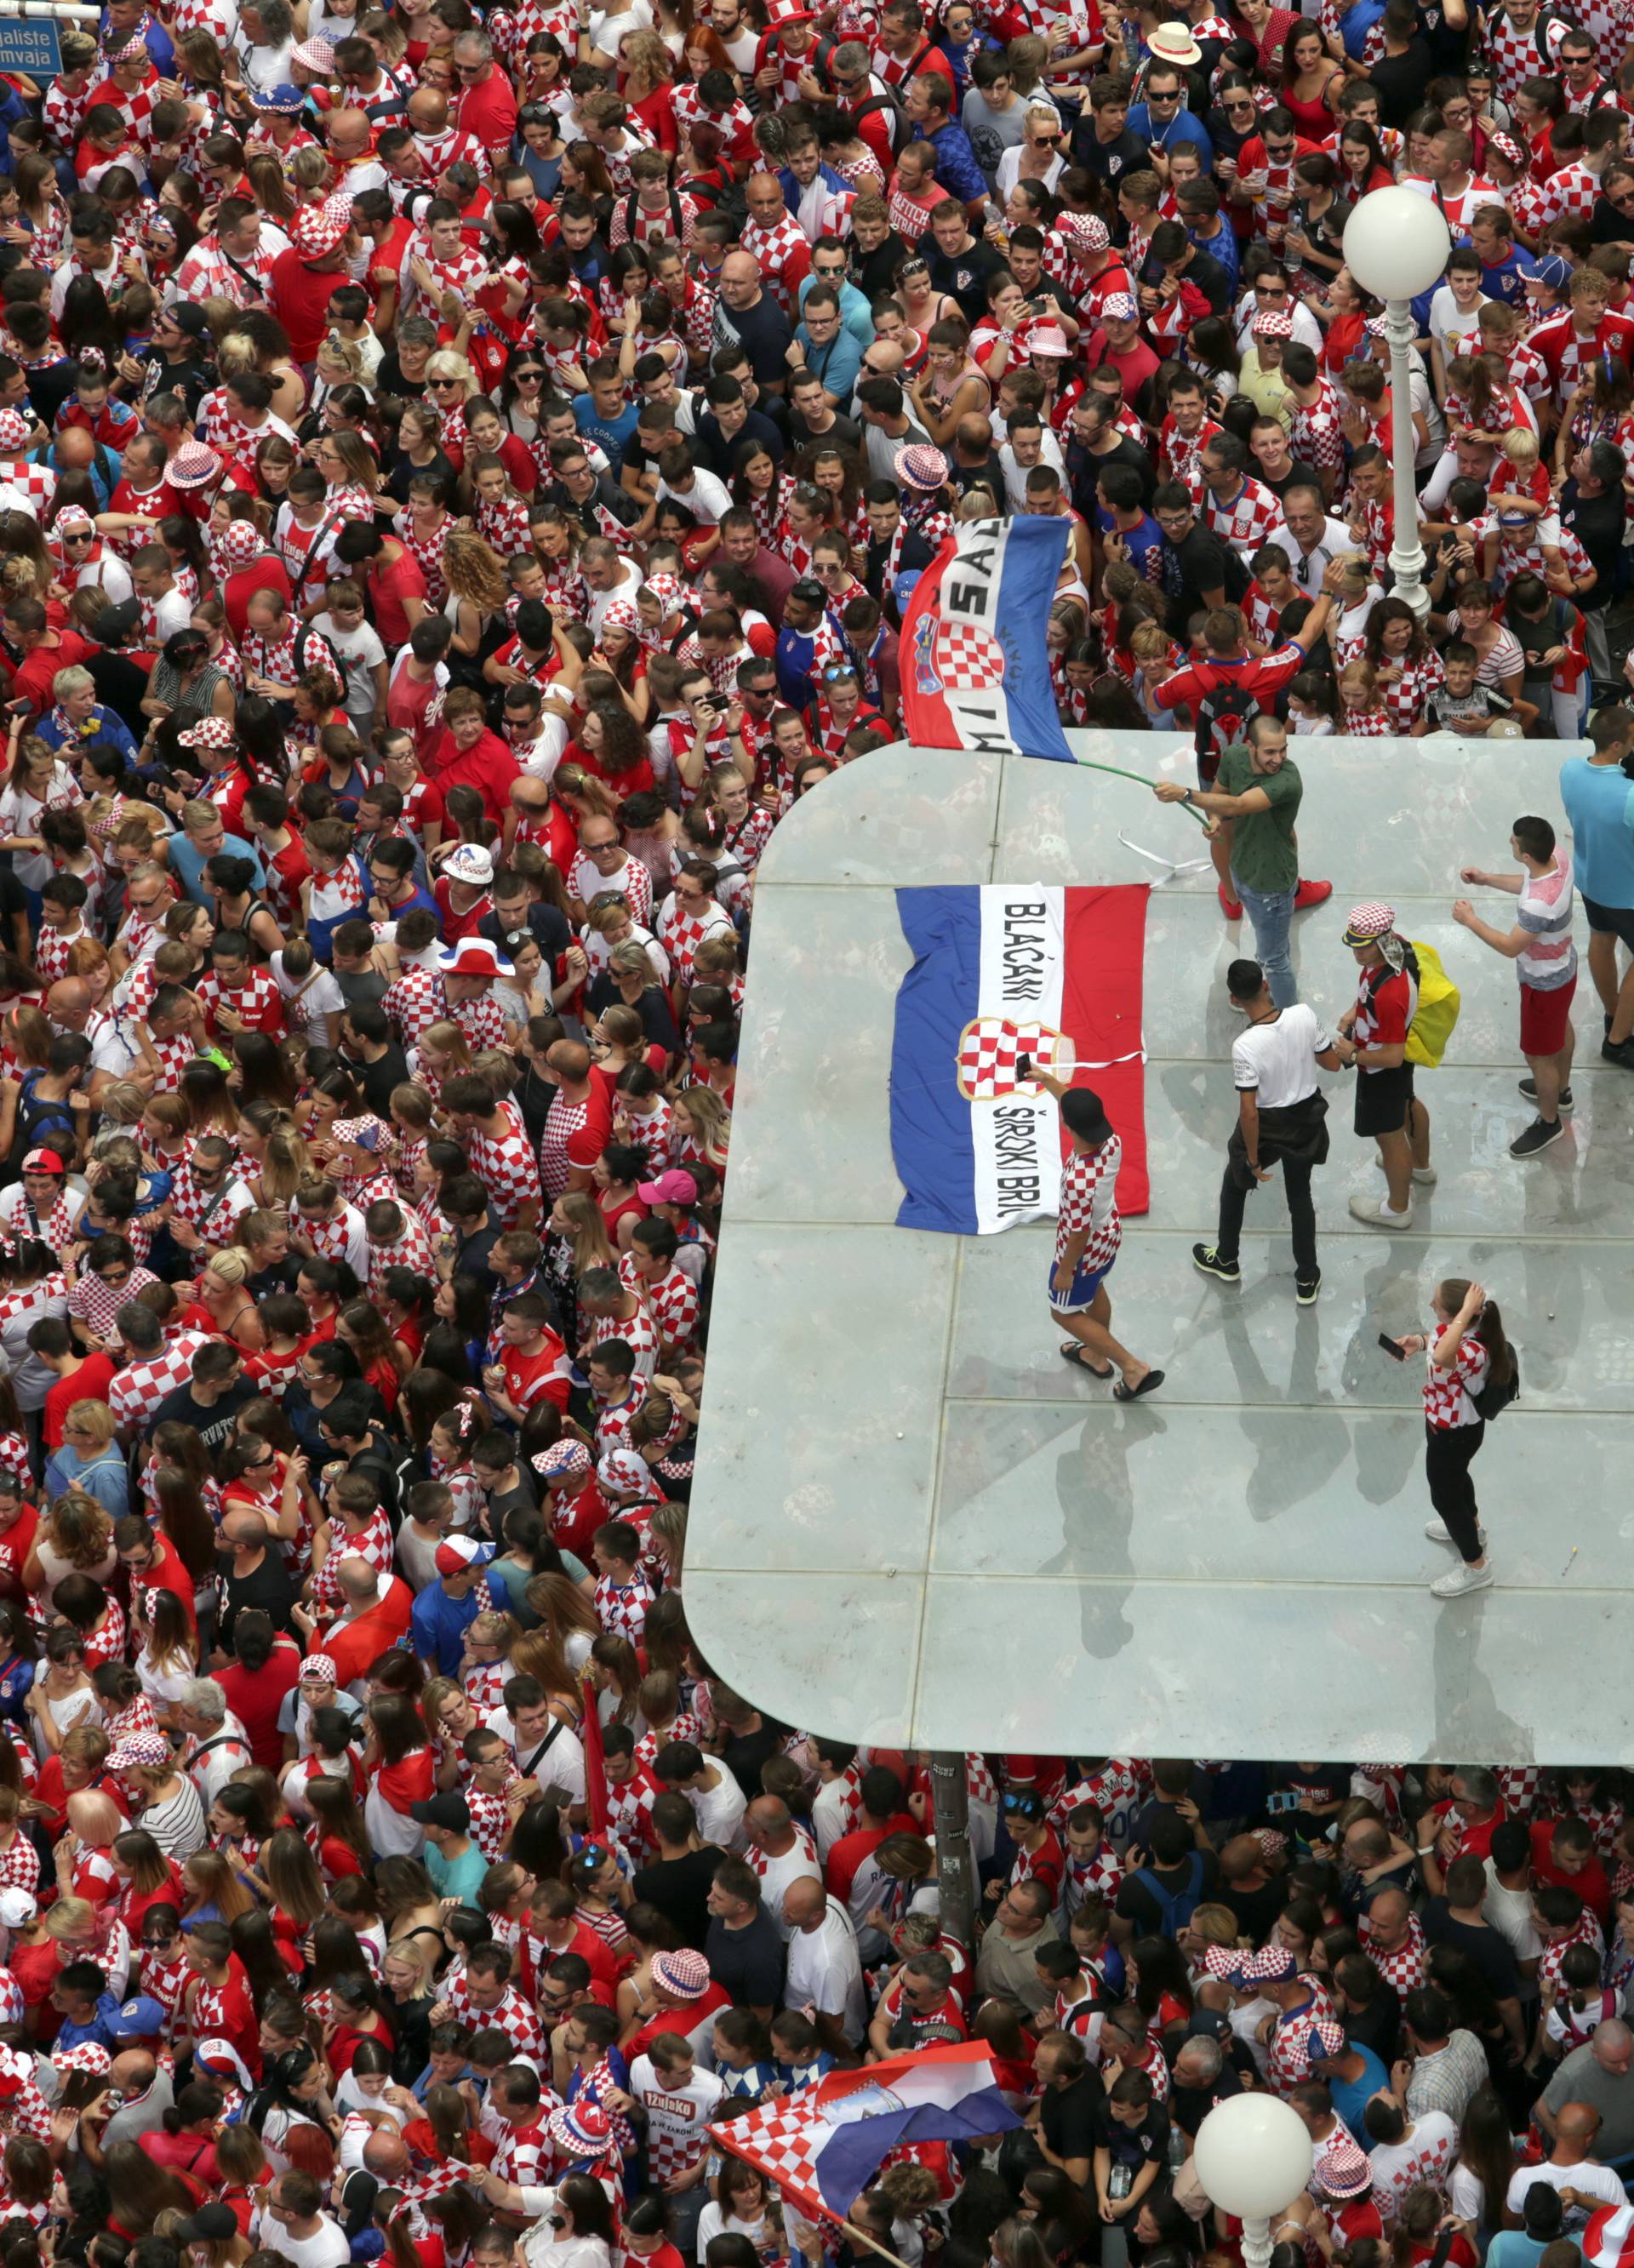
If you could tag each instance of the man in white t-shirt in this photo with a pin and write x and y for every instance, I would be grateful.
(825, 1973)
(1582, 2182)
(712, 1790)
(678, 2100)
(1404, 2152)
(1508, 1904)
(780, 1851)
(292, 2224)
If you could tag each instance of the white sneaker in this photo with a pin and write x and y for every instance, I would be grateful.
(1436, 1532)
(1462, 1578)
(1426, 1176)
(1377, 1215)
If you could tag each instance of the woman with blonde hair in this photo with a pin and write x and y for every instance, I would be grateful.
(701, 1127)
(221, 1289)
(567, 1617)
(477, 591)
(166, 1660)
(450, 383)
(442, 1052)
(214, 1892)
(537, 1654)
(276, 1152)
(346, 463)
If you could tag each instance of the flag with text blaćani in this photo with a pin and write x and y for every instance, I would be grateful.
(1001, 971)
(975, 657)
(822, 2147)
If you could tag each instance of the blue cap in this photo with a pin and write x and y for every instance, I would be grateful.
(287, 100)
(1553, 271)
(143, 2018)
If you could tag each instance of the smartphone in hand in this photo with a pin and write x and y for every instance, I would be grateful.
(1393, 1348)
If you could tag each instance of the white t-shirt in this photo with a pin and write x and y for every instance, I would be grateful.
(706, 499)
(1588, 2179)
(360, 652)
(1510, 1913)
(678, 2116)
(539, 760)
(1276, 1059)
(1448, 326)
(826, 1970)
(318, 994)
(720, 1810)
(328, 2249)
(1422, 2156)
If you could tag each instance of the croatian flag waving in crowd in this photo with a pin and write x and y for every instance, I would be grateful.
(825, 2144)
(1001, 971)
(973, 650)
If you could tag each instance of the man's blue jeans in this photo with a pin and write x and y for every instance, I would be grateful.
(1271, 913)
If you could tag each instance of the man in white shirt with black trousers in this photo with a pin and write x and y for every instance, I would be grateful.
(1281, 1119)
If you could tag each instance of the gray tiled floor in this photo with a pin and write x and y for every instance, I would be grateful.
(913, 1521)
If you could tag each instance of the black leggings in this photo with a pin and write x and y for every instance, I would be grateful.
(1448, 1455)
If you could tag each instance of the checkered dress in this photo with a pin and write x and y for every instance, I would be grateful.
(508, 1169)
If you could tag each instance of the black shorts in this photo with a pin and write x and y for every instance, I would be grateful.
(1615, 920)
(1383, 1099)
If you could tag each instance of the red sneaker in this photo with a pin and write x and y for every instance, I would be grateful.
(1310, 894)
(1229, 906)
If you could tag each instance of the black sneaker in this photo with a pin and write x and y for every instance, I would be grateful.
(1537, 1136)
(1306, 1287)
(1620, 1052)
(1529, 1087)
(1207, 1258)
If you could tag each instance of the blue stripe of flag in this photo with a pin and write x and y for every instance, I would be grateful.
(932, 1143)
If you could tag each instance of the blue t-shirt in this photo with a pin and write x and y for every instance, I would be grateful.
(439, 1624)
(609, 434)
(459, 1878)
(1599, 804)
(1351, 2096)
(1507, 280)
(188, 863)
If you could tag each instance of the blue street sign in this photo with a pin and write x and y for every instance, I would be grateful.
(30, 46)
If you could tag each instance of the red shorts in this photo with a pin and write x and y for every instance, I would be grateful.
(1543, 1019)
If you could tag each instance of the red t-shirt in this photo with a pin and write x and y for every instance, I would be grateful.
(393, 580)
(488, 766)
(89, 1383)
(487, 111)
(31, 681)
(531, 1379)
(300, 297)
(255, 1698)
(1589, 1882)
(268, 574)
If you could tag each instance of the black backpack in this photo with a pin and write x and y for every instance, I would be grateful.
(1496, 1393)
(896, 120)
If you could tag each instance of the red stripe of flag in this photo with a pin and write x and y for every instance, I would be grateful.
(1100, 1012)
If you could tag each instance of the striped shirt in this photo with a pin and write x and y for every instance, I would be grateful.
(1549, 958)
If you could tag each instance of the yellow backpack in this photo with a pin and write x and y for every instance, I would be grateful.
(1437, 1012)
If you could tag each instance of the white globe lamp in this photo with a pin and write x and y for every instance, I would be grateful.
(1253, 2156)
(1396, 245)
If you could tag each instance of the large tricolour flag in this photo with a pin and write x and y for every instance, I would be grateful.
(974, 654)
(1000, 971)
(823, 2146)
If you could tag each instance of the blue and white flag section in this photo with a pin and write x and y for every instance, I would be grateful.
(1002, 970)
(822, 2147)
(975, 648)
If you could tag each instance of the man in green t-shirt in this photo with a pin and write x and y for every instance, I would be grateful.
(1258, 790)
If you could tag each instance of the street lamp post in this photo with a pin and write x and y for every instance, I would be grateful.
(1395, 246)
(1253, 2157)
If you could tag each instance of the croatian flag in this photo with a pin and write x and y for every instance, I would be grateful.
(823, 2146)
(973, 650)
(1000, 971)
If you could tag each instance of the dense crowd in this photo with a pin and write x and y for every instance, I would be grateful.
(461, 475)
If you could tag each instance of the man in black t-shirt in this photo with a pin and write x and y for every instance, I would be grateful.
(745, 316)
(678, 1881)
(1176, 1870)
(209, 1404)
(745, 1942)
(1249, 1889)
(252, 1574)
(1131, 2146)
(1456, 1919)
(1202, 2076)
(1592, 506)
(1066, 2109)
(1101, 140)
(1199, 571)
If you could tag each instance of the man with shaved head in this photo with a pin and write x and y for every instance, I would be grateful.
(825, 1972)
(351, 146)
(749, 317)
(780, 1852)
(1601, 2074)
(1574, 2167)
(578, 1125)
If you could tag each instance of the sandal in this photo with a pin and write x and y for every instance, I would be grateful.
(1148, 1385)
(1074, 1353)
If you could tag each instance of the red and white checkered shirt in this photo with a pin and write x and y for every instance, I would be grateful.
(258, 1002)
(1403, 1970)
(508, 1169)
(1447, 1404)
(416, 1001)
(513, 2016)
(19, 1861)
(639, 1334)
(52, 947)
(175, 1055)
(587, 883)
(672, 1301)
(784, 258)
(1405, 697)
(650, 1129)
(630, 1801)
(56, 1229)
(1247, 519)
(621, 1607)
(482, 1021)
(97, 1303)
(491, 1819)
(373, 1543)
(106, 1642)
(1315, 433)
(412, 1249)
(24, 2109)
(206, 274)
(1517, 55)
(1088, 1201)
(213, 1211)
(1585, 1931)
(138, 1390)
(681, 933)
(1287, 2062)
